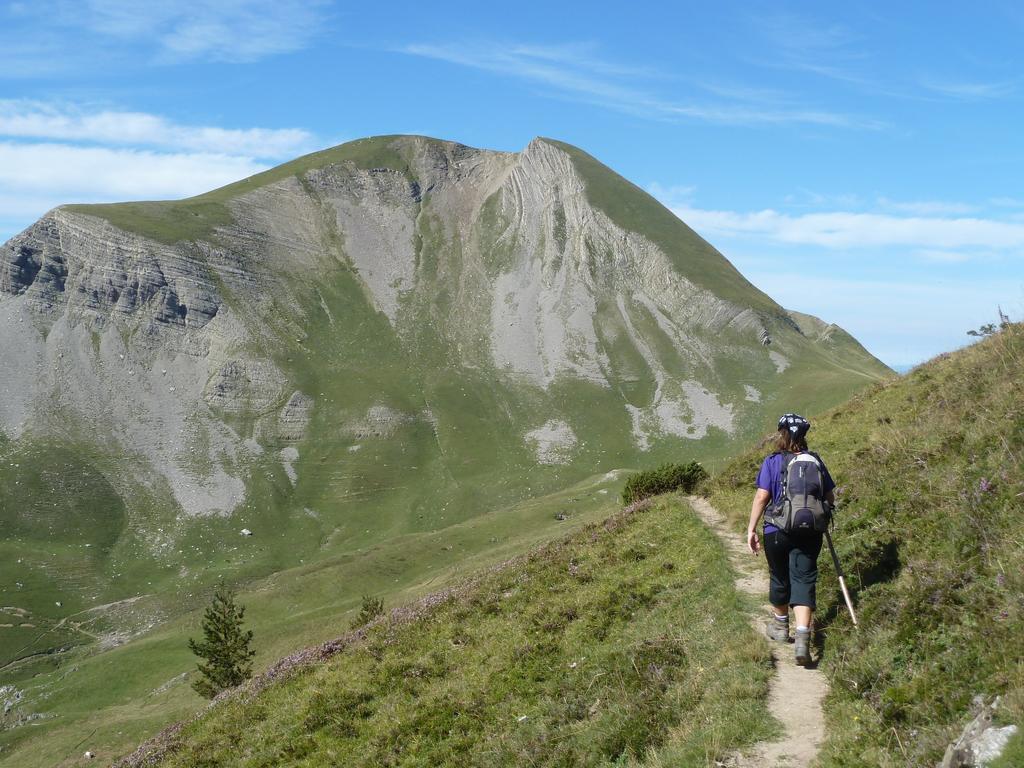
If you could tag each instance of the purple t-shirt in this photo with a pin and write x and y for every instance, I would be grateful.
(770, 479)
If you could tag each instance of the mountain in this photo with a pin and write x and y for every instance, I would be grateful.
(362, 351)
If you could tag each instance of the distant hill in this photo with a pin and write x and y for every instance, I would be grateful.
(396, 341)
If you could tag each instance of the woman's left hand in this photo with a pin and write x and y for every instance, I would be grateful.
(753, 544)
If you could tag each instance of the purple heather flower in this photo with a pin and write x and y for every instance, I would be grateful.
(984, 485)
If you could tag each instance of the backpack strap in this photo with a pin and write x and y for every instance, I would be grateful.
(786, 457)
(784, 468)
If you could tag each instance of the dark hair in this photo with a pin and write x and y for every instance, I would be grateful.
(787, 442)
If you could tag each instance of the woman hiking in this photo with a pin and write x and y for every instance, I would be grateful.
(792, 557)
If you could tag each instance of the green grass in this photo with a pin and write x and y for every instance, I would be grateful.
(60, 520)
(197, 218)
(596, 650)
(118, 697)
(930, 532)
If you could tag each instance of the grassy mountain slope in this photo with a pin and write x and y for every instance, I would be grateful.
(594, 650)
(930, 470)
(373, 347)
(116, 698)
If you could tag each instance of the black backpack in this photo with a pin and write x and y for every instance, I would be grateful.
(803, 506)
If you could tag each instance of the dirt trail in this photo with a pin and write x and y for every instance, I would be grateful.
(804, 724)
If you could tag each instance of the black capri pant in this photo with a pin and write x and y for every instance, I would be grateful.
(793, 567)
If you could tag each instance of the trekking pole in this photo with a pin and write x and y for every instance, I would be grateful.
(842, 577)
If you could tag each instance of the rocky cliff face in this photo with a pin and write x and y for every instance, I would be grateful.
(110, 336)
(179, 347)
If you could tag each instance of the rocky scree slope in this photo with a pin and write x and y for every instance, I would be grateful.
(389, 336)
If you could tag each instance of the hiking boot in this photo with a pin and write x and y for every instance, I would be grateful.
(777, 630)
(802, 649)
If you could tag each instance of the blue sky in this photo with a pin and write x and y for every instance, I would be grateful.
(860, 162)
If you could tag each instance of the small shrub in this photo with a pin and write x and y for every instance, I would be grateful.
(372, 608)
(668, 477)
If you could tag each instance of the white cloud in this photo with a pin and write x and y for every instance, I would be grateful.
(572, 71)
(857, 230)
(38, 120)
(56, 154)
(227, 30)
(64, 173)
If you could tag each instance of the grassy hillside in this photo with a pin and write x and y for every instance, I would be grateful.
(595, 650)
(930, 470)
(116, 698)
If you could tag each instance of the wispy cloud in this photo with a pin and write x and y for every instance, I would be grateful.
(178, 30)
(808, 198)
(38, 120)
(970, 91)
(797, 43)
(848, 230)
(928, 207)
(841, 54)
(573, 71)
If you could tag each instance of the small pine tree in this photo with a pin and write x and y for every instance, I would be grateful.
(225, 648)
(372, 608)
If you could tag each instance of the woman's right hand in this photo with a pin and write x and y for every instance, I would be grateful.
(753, 544)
